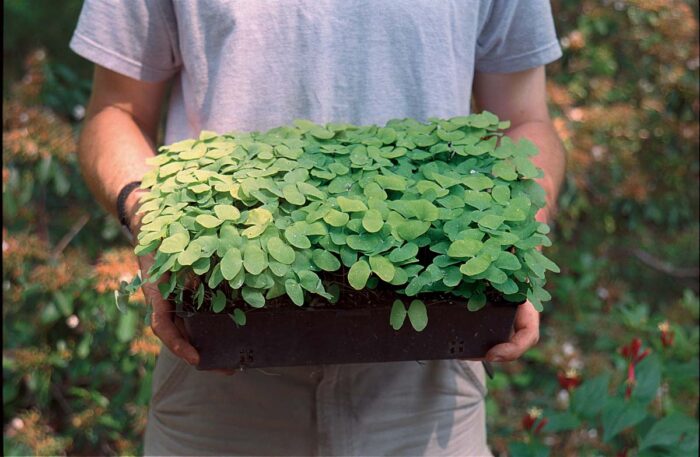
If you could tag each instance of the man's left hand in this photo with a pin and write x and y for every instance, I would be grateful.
(526, 334)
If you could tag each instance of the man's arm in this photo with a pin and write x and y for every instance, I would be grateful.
(521, 98)
(119, 134)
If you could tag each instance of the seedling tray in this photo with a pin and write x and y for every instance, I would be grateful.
(290, 336)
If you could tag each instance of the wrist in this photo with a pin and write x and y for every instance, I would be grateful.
(547, 213)
(127, 206)
(131, 207)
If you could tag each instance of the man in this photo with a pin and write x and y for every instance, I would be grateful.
(241, 66)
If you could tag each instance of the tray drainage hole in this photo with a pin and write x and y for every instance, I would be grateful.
(456, 346)
(245, 357)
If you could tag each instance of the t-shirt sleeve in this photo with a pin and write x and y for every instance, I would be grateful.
(517, 35)
(136, 38)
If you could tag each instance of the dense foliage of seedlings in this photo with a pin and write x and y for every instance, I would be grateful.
(448, 206)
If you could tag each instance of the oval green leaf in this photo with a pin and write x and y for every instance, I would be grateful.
(294, 291)
(231, 264)
(418, 315)
(325, 260)
(280, 251)
(358, 274)
(372, 221)
(398, 315)
(475, 265)
(218, 303)
(382, 267)
(175, 243)
(254, 259)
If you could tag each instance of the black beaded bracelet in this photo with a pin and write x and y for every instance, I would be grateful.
(121, 201)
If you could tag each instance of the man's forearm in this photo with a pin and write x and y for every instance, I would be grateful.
(551, 159)
(112, 153)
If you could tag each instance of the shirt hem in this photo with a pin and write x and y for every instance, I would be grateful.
(118, 63)
(532, 59)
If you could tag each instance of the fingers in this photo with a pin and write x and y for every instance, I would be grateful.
(180, 324)
(526, 334)
(513, 349)
(165, 329)
(168, 327)
(163, 318)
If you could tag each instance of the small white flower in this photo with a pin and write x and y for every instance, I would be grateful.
(576, 363)
(598, 152)
(17, 423)
(534, 412)
(563, 398)
(576, 114)
(567, 348)
(646, 86)
(72, 321)
(78, 112)
(602, 293)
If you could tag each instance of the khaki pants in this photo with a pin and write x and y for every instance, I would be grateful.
(431, 408)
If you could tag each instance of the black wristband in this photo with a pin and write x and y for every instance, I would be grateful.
(121, 201)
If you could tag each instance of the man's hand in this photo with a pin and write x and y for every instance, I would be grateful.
(521, 98)
(526, 333)
(118, 136)
(165, 324)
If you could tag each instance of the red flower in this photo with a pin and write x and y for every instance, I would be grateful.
(631, 380)
(667, 334)
(632, 354)
(542, 423)
(631, 351)
(531, 418)
(570, 379)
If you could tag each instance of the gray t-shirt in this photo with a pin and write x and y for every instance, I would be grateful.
(253, 65)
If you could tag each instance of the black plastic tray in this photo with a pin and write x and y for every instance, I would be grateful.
(317, 336)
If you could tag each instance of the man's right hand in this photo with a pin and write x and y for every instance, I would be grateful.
(164, 322)
(118, 136)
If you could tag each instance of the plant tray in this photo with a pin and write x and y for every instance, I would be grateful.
(289, 336)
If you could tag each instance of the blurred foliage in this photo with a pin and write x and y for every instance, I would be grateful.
(625, 102)
(42, 24)
(76, 371)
